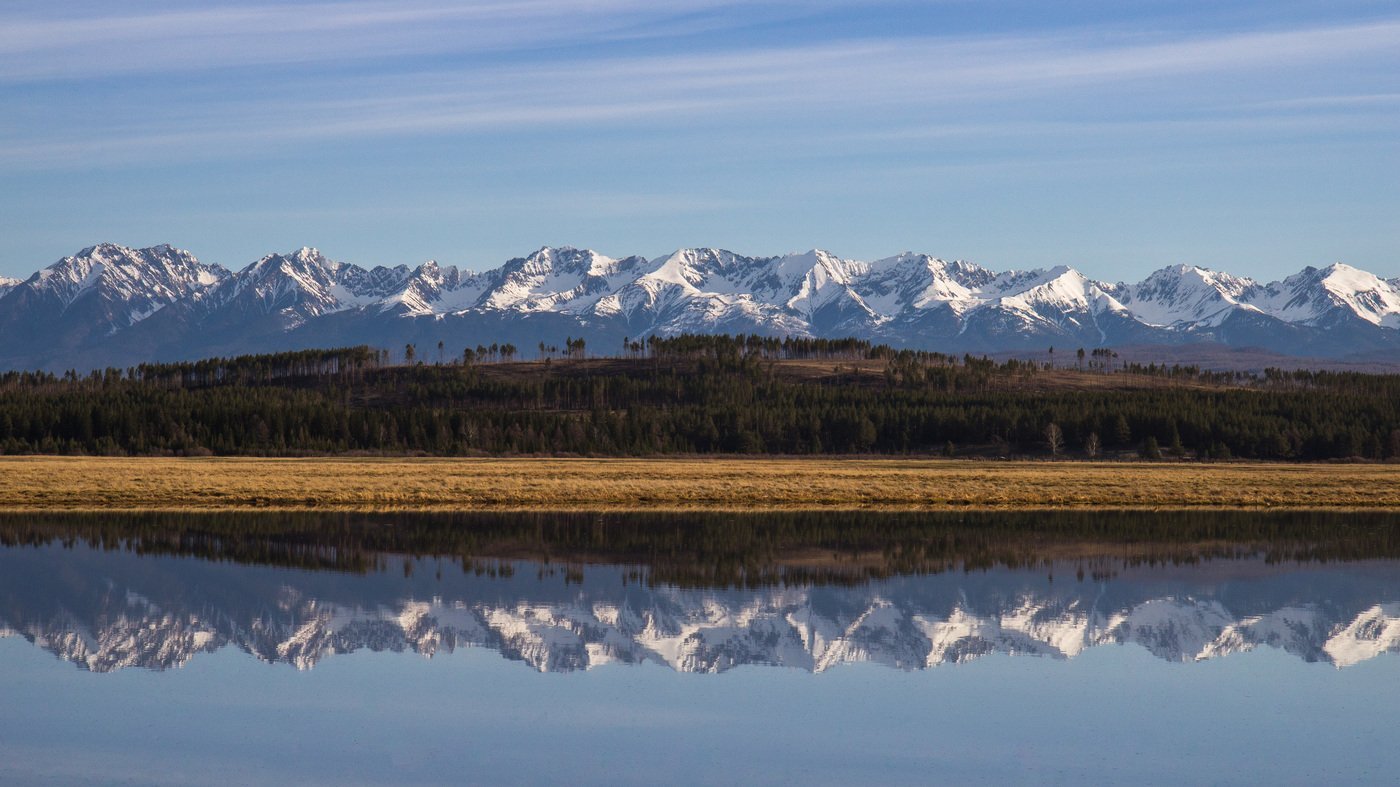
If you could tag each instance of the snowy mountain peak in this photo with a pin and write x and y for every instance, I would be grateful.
(1187, 295)
(909, 299)
(567, 259)
(920, 281)
(563, 279)
(110, 287)
(301, 264)
(1319, 296)
(815, 280)
(301, 285)
(305, 258)
(153, 267)
(801, 262)
(1372, 298)
(432, 289)
(1060, 287)
(694, 269)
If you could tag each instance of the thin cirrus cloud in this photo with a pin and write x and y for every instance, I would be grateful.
(881, 86)
(43, 46)
(1348, 100)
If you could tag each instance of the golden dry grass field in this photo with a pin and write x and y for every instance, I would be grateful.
(59, 483)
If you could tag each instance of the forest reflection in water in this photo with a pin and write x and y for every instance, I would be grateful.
(729, 549)
(701, 593)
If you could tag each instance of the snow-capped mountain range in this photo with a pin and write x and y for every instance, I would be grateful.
(111, 305)
(105, 611)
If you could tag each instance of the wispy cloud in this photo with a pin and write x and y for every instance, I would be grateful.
(89, 40)
(1351, 100)
(427, 124)
(886, 86)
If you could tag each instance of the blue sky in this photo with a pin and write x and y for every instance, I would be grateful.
(1256, 137)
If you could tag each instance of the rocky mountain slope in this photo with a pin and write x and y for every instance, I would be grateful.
(110, 305)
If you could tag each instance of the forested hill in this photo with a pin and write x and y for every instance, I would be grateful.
(700, 394)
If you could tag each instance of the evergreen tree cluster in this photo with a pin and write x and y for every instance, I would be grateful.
(697, 395)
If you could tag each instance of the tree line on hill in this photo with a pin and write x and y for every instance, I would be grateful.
(695, 395)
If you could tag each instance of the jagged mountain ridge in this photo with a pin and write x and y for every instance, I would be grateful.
(123, 611)
(113, 305)
(91, 298)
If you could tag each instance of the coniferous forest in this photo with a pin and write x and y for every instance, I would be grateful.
(700, 395)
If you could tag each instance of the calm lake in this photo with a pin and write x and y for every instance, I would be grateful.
(837, 648)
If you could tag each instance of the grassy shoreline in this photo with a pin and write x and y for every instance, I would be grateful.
(676, 484)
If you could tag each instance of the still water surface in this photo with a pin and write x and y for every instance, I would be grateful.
(189, 652)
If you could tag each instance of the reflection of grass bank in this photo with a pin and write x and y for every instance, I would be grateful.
(60, 483)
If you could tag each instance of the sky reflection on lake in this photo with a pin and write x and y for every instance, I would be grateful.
(120, 666)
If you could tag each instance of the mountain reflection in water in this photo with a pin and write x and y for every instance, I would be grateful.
(701, 593)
